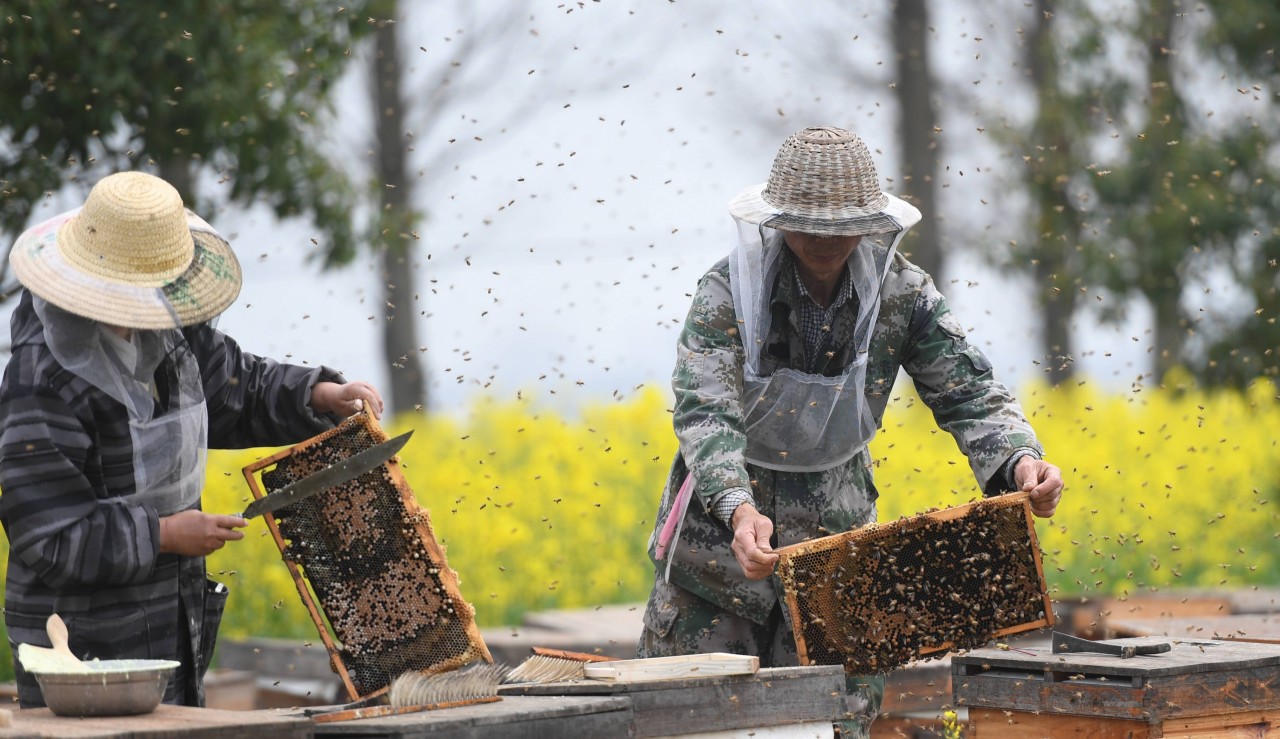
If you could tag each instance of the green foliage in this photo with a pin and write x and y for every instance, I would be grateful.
(1138, 189)
(234, 87)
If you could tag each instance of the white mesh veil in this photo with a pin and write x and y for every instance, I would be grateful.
(168, 449)
(795, 420)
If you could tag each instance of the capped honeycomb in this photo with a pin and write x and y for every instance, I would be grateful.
(367, 565)
(875, 598)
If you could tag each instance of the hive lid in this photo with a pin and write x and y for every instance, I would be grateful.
(1188, 656)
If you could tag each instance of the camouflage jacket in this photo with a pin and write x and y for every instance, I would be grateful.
(914, 331)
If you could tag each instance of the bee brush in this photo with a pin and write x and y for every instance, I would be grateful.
(553, 666)
(416, 691)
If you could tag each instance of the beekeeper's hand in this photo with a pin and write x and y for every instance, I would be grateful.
(346, 400)
(196, 533)
(751, 532)
(1043, 480)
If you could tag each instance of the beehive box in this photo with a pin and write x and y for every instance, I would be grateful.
(747, 705)
(878, 597)
(1200, 688)
(367, 565)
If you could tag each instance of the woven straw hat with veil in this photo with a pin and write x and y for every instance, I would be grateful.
(132, 256)
(823, 182)
(112, 282)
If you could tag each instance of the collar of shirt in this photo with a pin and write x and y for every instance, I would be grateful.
(816, 321)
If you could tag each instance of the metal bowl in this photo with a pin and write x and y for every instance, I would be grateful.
(114, 687)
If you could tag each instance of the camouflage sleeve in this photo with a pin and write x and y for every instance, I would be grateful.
(708, 384)
(954, 379)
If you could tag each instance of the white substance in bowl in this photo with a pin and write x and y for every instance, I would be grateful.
(43, 660)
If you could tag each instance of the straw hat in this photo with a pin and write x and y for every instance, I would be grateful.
(823, 182)
(132, 256)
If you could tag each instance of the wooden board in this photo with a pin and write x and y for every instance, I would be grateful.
(1093, 619)
(914, 725)
(924, 685)
(1196, 678)
(513, 717)
(165, 721)
(1250, 628)
(988, 722)
(774, 696)
(673, 668)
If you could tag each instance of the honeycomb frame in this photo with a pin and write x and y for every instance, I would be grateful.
(352, 549)
(873, 599)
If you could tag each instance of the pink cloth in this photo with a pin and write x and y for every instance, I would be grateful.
(674, 517)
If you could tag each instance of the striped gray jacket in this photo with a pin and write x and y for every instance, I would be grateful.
(77, 545)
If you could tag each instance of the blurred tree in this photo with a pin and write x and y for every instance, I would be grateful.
(1244, 39)
(1192, 197)
(395, 225)
(1136, 191)
(918, 140)
(1052, 173)
(235, 88)
(406, 137)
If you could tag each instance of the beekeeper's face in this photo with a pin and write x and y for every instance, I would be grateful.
(821, 257)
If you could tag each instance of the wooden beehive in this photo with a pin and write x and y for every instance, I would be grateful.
(367, 565)
(878, 597)
(1199, 688)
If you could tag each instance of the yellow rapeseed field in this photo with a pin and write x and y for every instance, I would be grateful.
(1165, 487)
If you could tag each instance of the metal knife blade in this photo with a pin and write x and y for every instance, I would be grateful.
(1063, 643)
(331, 476)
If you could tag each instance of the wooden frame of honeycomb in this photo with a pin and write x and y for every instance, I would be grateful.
(367, 565)
(883, 595)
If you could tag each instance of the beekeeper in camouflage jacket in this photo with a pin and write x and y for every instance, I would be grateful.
(784, 369)
(117, 385)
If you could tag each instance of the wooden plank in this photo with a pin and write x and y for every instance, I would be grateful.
(1092, 619)
(624, 620)
(1030, 692)
(773, 696)
(1249, 724)
(918, 686)
(1261, 628)
(292, 657)
(673, 668)
(511, 644)
(1156, 693)
(165, 721)
(749, 704)
(1255, 600)
(811, 730)
(1155, 699)
(1186, 657)
(916, 724)
(514, 717)
(985, 723)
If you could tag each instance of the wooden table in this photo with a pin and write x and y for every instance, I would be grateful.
(1199, 688)
(165, 721)
(1246, 627)
(772, 697)
(513, 717)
